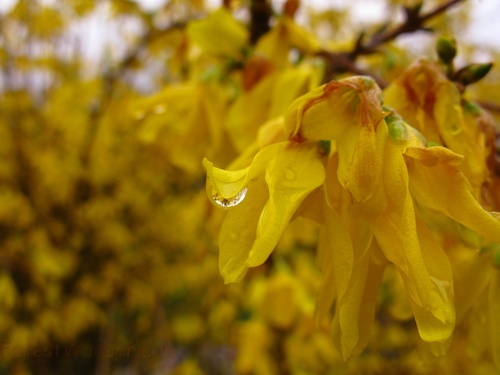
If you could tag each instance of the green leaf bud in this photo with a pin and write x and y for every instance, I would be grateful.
(446, 48)
(473, 73)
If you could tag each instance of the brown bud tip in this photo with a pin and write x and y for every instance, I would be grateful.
(291, 7)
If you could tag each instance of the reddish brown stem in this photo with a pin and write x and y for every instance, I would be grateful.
(341, 62)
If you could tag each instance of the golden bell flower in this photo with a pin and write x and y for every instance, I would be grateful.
(219, 34)
(262, 199)
(269, 98)
(179, 116)
(366, 190)
(285, 35)
(428, 101)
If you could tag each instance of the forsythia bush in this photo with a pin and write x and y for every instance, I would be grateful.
(346, 192)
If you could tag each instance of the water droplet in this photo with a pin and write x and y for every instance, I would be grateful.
(229, 202)
(220, 201)
(233, 236)
(290, 174)
(159, 109)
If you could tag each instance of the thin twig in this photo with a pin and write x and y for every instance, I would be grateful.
(260, 16)
(490, 106)
(341, 62)
(414, 22)
(113, 75)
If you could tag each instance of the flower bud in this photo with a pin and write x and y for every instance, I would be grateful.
(473, 73)
(446, 49)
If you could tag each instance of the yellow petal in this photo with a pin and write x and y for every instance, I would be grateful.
(433, 156)
(426, 98)
(355, 314)
(291, 84)
(250, 111)
(323, 113)
(336, 261)
(291, 176)
(285, 35)
(271, 132)
(219, 34)
(238, 232)
(471, 275)
(273, 45)
(431, 302)
(395, 177)
(300, 38)
(226, 184)
(360, 159)
(494, 301)
(437, 184)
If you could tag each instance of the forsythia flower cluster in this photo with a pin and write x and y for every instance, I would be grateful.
(399, 180)
(355, 228)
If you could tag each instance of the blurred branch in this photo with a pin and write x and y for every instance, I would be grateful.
(112, 76)
(490, 106)
(341, 62)
(260, 15)
(414, 22)
(147, 38)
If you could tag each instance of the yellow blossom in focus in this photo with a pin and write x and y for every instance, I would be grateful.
(432, 104)
(366, 190)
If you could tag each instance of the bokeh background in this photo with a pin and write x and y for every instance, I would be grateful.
(108, 243)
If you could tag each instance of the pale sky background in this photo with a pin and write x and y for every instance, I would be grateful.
(95, 32)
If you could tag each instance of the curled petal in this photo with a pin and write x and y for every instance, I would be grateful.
(228, 184)
(327, 110)
(253, 226)
(437, 184)
(291, 176)
(430, 293)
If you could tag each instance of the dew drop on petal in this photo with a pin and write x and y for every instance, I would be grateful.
(220, 201)
(229, 202)
(290, 174)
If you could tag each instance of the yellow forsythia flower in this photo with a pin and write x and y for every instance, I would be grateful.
(219, 34)
(431, 103)
(366, 190)
(286, 34)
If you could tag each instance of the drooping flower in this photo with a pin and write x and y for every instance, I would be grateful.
(365, 176)
(268, 98)
(432, 104)
(179, 116)
(263, 198)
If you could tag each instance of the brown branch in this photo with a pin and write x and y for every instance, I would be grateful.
(490, 106)
(342, 62)
(414, 22)
(260, 16)
(113, 75)
(144, 41)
